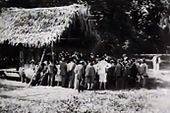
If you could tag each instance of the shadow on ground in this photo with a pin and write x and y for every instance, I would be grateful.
(153, 83)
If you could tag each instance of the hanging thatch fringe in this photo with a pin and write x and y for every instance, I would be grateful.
(39, 26)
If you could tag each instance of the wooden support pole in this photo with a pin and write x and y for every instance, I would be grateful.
(42, 57)
(52, 52)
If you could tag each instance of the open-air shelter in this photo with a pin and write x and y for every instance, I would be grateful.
(43, 27)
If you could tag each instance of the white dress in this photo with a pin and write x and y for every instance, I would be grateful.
(58, 76)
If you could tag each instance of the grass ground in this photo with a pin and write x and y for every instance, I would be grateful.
(16, 97)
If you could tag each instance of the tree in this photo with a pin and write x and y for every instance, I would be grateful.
(131, 26)
(145, 16)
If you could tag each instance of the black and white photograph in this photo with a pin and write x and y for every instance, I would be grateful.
(84, 56)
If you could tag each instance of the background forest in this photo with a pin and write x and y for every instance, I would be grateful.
(124, 26)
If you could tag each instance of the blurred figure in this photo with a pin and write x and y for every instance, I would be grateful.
(63, 72)
(126, 73)
(103, 67)
(22, 74)
(79, 76)
(118, 74)
(44, 77)
(133, 73)
(143, 69)
(70, 69)
(156, 61)
(32, 64)
(51, 73)
(58, 76)
(111, 76)
(89, 75)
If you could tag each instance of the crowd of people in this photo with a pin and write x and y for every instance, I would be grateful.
(88, 72)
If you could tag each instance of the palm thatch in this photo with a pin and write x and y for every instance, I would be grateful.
(38, 27)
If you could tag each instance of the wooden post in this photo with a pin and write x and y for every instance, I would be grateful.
(42, 57)
(21, 58)
(52, 52)
(53, 61)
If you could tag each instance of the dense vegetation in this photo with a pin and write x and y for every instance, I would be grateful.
(125, 26)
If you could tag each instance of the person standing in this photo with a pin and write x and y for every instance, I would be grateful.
(51, 73)
(22, 74)
(143, 69)
(103, 67)
(126, 73)
(90, 75)
(70, 69)
(133, 73)
(118, 74)
(58, 76)
(79, 76)
(111, 76)
(156, 61)
(44, 77)
(63, 72)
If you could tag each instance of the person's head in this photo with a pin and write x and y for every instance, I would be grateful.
(50, 62)
(144, 60)
(125, 62)
(133, 60)
(91, 63)
(141, 60)
(56, 62)
(112, 61)
(118, 60)
(75, 61)
(45, 62)
(32, 61)
(81, 62)
(62, 59)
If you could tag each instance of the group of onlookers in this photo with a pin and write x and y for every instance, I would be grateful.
(89, 72)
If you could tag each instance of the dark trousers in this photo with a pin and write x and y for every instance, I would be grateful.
(71, 79)
(132, 82)
(119, 82)
(43, 79)
(81, 85)
(51, 79)
(23, 77)
(64, 81)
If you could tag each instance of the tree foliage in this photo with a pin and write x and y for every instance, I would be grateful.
(131, 26)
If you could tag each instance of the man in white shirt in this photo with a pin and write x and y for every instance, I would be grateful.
(103, 66)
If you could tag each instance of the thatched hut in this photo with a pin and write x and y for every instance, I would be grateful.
(45, 27)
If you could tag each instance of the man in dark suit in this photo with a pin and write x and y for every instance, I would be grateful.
(63, 72)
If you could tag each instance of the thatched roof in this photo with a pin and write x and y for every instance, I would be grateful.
(38, 26)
